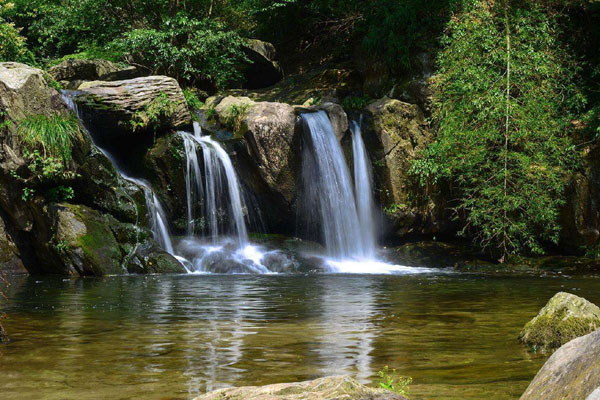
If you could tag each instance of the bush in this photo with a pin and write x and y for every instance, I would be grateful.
(12, 44)
(190, 50)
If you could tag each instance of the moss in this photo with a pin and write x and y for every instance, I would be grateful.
(564, 318)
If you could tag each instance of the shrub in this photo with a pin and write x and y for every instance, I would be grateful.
(193, 101)
(190, 50)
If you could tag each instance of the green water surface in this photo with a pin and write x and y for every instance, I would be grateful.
(175, 337)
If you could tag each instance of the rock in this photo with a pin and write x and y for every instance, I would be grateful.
(10, 256)
(82, 70)
(84, 241)
(24, 91)
(395, 133)
(563, 319)
(264, 70)
(580, 217)
(571, 373)
(336, 114)
(111, 106)
(333, 387)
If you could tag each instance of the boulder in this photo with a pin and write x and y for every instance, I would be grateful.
(84, 241)
(563, 319)
(395, 133)
(263, 70)
(580, 217)
(82, 70)
(334, 387)
(10, 256)
(571, 373)
(112, 106)
(23, 92)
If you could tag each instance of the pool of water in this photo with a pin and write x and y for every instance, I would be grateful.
(174, 337)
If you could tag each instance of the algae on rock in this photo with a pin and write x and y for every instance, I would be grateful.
(563, 319)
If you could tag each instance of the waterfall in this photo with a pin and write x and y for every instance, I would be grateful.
(328, 189)
(220, 192)
(159, 225)
(363, 184)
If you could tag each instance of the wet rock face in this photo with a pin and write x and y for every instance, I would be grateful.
(395, 133)
(563, 319)
(572, 373)
(580, 217)
(334, 387)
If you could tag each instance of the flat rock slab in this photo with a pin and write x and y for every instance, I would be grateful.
(329, 388)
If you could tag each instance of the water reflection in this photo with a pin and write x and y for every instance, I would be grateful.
(179, 336)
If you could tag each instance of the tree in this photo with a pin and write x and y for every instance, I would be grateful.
(12, 44)
(502, 111)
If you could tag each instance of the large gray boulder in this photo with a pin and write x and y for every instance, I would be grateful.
(329, 388)
(563, 319)
(113, 105)
(572, 373)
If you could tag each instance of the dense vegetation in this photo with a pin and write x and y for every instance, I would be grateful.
(516, 99)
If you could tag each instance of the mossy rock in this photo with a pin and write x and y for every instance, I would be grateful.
(563, 319)
(84, 240)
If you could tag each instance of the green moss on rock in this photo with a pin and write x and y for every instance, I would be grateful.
(563, 319)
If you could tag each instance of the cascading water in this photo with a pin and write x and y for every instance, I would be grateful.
(220, 192)
(363, 184)
(328, 189)
(345, 211)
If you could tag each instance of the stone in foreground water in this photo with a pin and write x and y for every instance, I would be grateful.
(333, 387)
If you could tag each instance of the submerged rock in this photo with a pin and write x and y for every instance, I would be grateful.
(572, 373)
(563, 319)
(329, 388)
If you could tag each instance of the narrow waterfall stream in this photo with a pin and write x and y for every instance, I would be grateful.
(363, 187)
(220, 192)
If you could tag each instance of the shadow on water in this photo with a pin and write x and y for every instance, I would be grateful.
(179, 336)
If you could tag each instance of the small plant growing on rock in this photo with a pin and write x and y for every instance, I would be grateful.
(193, 101)
(235, 116)
(390, 380)
(154, 114)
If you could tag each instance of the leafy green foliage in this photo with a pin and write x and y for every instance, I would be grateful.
(60, 193)
(502, 107)
(193, 101)
(188, 49)
(356, 102)
(154, 114)
(389, 380)
(234, 116)
(12, 45)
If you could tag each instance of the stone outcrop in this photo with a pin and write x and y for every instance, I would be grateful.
(113, 105)
(572, 373)
(264, 69)
(334, 387)
(395, 133)
(580, 217)
(99, 231)
(563, 319)
(73, 73)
